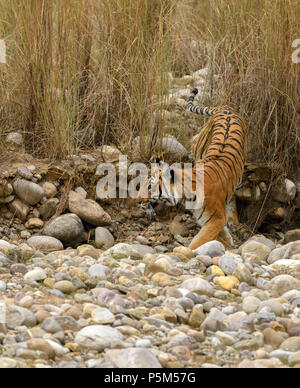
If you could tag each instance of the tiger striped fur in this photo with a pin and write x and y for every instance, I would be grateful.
(221, 146)
(221, 149)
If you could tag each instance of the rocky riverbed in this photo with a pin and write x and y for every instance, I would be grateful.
(132, 305)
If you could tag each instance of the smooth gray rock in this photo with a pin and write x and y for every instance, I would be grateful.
(29, 192)
(45, 243)
(211, 249)
(67, 228)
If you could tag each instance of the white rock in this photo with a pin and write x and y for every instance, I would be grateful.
(98, 337)
(132, 358)
(35, 275)
(199, 286)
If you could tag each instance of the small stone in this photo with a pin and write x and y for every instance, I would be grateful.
(26, 302)
(88, 250)
(34, 223)
(97, 271)
(225, 282)
(292, 235)
(49, 208)
(25, 173)
(15, 138)
(18, 316)
(251, 304)
(291, 344)
(163, 280)
(102, 316)
(50, 189)
(18, 269)
(197, 316)
(215, 271)
(227, 264)
(132, 358)
(243, 274)
(294, 359)
(45, 244)
(98, 338)
(103, 238)
(19, 209)
(50, 325)
(29, 192)
(199, 286)
(284, 283)
(271, 337)
(41, 345)
(65, 286)
(255, 252)
(35, 275)
(178, 229)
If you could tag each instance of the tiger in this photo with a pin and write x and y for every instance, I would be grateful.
(221, 149)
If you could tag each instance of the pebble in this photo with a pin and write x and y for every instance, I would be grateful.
(129, 305)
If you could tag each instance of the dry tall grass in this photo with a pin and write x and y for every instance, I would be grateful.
(249, 43)
(84, 72)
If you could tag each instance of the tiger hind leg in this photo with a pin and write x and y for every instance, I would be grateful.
(210, 230)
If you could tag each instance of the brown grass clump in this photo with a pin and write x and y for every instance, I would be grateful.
(82, 73)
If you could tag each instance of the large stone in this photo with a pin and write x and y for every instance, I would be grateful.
(29, 192)
(199, 286)
(98, 338)
(88, 210)
(45, 244)
(211, 249)
(132, 358)
(103, 238)
(67, 228)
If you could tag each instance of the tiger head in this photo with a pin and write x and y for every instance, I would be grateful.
(161, 188)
